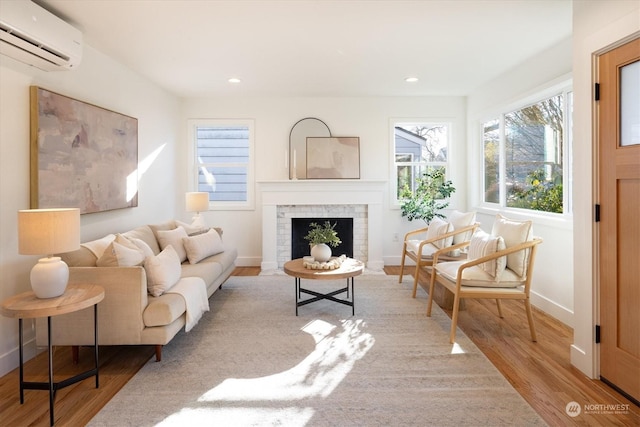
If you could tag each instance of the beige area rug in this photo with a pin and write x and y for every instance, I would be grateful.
(251, 361)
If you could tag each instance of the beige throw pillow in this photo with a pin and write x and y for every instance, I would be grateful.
(483, 244)
(174, 238)
(121, 253)
(163, 271)
(203, 245)
(514, 232)
(438, 227)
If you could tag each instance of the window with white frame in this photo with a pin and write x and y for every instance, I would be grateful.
(419, 147)
(525, 152)
(221, 161)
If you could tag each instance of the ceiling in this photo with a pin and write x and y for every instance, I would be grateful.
(320, 48)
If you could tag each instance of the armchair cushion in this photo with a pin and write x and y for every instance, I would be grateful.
(514, 232)
(477, 277)
(438, 227)
(483, 244)
(427, 250)
(460, 220)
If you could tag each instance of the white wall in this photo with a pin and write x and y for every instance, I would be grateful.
(367, 118)
(102, 82)
(597, 26)
(552, 288)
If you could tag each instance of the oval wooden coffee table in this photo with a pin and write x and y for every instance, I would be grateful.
(348, 270)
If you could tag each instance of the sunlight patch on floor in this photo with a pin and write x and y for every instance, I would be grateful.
(338, 347)
(238, 416)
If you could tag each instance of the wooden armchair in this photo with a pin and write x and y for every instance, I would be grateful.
(512, 268)
(422, 251)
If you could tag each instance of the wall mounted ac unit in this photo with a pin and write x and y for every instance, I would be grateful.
(37, 37)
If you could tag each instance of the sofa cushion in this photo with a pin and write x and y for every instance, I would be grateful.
(205, 269)
(163, 310)
(427, 250)
(174, 238)
(163, 271)
(202, 245)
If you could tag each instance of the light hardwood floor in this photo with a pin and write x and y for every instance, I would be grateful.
(540, 372)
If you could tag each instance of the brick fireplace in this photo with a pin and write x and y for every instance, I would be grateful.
(357, 199)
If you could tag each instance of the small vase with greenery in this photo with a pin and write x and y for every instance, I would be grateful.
(320, 237)
(431, 195)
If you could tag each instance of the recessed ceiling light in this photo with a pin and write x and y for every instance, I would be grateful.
(411, 79)
(234, 80)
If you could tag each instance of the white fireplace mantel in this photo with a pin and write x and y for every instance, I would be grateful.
(321, 192)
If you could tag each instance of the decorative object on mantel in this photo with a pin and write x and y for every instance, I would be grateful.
(320, 237)
(333, 158)
(431, 195)
(48, 232)
(301, 130)
(197, 201)
(332, 264)
(81, 155)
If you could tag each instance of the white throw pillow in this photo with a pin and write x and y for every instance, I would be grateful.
(438, 227)
(514, 232)
(98, 246)
(190, 229)
(142, 245)
(163, 271)
(483, 244)
(460, 220)
(174, 238)
(121, 253)
(203, 245)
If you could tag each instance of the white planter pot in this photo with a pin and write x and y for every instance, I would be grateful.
(321, 252)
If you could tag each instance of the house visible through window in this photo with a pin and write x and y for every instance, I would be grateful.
(524, 156)
(418, 147)
(222, 161)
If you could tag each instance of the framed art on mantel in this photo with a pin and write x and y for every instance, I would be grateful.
(333, 157)
(82, 156)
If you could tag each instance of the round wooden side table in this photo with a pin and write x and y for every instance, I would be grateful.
(27, 306)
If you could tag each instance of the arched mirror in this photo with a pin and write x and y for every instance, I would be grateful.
(304, 128)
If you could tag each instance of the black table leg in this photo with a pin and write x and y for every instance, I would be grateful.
(50, 371)
(95, 332)
(21, 361)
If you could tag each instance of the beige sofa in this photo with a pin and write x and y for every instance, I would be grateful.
(129, 313)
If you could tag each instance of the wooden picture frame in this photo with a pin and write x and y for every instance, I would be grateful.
(333, 157)
(82, 156)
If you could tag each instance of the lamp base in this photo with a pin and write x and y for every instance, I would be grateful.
(49, 277)
(198, 222)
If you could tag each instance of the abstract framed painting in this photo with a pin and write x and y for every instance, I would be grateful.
(333, 157)
(82, 156)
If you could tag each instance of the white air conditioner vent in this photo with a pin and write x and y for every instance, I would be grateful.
(31, 34)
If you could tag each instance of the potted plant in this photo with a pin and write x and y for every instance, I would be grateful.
(431, 195)
(320, 237)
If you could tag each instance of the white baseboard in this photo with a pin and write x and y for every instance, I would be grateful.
(552, 308)
(11, 359)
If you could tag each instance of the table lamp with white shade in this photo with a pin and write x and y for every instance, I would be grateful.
(197, 201)
(48, 232)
